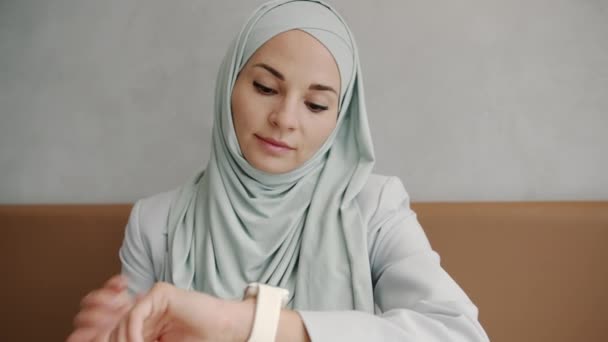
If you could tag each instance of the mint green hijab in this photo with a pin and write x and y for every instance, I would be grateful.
(301, 230)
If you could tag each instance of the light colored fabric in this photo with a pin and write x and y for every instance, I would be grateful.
(301, 230)
(415, 299)
(269, 302)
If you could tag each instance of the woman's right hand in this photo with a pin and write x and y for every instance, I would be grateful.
(101, 310)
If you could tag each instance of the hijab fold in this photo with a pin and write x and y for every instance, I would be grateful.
(301, 230)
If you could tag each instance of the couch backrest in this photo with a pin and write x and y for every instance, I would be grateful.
(537, 271)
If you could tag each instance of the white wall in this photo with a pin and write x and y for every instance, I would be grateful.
(109, 101)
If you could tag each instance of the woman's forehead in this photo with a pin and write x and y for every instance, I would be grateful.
(296, 49)
(314, 18)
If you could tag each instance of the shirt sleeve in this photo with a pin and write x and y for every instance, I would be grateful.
(415, 298)
(135, 256)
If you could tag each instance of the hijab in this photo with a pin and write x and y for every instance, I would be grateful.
(301, 230)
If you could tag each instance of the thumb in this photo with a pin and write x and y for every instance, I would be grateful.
(117, 283)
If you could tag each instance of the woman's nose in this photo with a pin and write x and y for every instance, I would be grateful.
(284, 116)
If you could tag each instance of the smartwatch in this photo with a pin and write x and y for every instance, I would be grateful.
(269, 302)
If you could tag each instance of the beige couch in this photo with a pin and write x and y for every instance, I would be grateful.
(537, 271)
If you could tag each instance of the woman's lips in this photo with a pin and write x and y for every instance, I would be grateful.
(273, 146)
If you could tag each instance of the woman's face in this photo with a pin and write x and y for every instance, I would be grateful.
(285, 102)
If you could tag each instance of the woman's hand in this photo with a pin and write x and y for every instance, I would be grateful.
(101, 310)
(167, 313)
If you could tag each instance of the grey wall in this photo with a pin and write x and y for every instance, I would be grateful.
(109, 101)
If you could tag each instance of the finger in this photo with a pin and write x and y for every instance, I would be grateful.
(82, 335)
(117, 282)
(140, 313)
(95, 318)
(113, 335)
(103, 336)
(124, 310)
(118, 334)
(106, 298)
(124, 332)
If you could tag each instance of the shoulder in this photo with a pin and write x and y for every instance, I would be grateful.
(393, 230)
(382, 195)
(152, 211)
(378, 185)
(384, 205)
(148, 225)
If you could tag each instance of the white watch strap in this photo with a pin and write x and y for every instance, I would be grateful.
(269, 302)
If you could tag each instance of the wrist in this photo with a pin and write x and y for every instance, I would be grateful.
(238, 319)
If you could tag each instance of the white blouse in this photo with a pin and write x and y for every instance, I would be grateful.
(416, 300)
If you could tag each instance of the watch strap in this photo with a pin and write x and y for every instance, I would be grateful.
(269, 302)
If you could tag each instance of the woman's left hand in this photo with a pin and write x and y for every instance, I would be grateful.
(167, 313)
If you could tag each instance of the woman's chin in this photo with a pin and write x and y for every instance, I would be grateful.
(273, 166)
(273, 169)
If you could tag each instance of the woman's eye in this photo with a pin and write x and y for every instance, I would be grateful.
(316, 107)
(263, 89)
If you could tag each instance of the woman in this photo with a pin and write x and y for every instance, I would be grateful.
(287, 200)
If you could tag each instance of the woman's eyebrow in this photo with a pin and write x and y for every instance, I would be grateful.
(271, 70)
(280, 76)
(322, 87)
